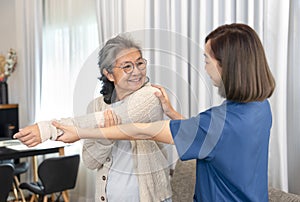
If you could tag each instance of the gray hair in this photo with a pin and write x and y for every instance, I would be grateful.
(107, 60)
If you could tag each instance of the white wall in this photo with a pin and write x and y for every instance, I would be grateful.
(7, 25)
(9, 39)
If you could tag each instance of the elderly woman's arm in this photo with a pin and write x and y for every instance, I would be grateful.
(141, 106)
(95, 152)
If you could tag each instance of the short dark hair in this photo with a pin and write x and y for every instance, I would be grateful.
(245, 71)
(107, 60)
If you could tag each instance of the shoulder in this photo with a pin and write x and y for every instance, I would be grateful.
(143, 98)
(144, 103)
(252, 109)
(147, 90)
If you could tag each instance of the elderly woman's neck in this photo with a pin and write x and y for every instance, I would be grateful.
(122, 95)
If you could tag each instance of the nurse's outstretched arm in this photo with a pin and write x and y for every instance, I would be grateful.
(157, 131)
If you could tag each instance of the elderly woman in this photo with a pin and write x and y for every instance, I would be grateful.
(133, 171)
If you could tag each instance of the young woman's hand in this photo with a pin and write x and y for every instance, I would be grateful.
(70, 133)
(166, 104)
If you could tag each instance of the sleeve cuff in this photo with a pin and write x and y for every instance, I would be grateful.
(47, 131)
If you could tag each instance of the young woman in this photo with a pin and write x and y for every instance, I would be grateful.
(230, 141)
(129, 171)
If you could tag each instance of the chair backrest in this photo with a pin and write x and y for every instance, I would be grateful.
(59, 173)
(6, 180)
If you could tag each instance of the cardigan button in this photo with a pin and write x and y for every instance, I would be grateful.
(108, 159)
(103, 178)
(102, 198)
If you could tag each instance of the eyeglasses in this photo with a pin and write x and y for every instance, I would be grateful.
(129, 66)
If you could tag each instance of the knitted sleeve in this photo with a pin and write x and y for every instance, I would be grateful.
(140, 106)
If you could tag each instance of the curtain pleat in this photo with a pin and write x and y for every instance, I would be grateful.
(110, 19)
(70, 36)
(29, 16)
(275, 40)
(293, 98)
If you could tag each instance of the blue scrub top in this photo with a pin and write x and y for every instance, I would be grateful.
(230, 143)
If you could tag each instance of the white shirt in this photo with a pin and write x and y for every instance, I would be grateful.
(122, 183)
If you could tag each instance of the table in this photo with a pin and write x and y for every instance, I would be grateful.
(14, 149)
(8, 153)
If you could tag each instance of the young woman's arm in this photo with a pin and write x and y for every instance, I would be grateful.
(158, 131)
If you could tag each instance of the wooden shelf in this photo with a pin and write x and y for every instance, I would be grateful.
(8, 106)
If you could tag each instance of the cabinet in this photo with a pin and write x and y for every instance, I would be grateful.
(9, 120)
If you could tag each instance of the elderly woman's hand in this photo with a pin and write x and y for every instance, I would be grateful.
(29, 135)
(110, 118)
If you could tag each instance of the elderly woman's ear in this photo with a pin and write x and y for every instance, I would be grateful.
(108, 75)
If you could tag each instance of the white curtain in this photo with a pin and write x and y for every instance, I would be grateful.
(29, 40)
(70, 36)
(29, 47)
(275, 40)
(178, 29)
(293, 97)
(175, 35)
